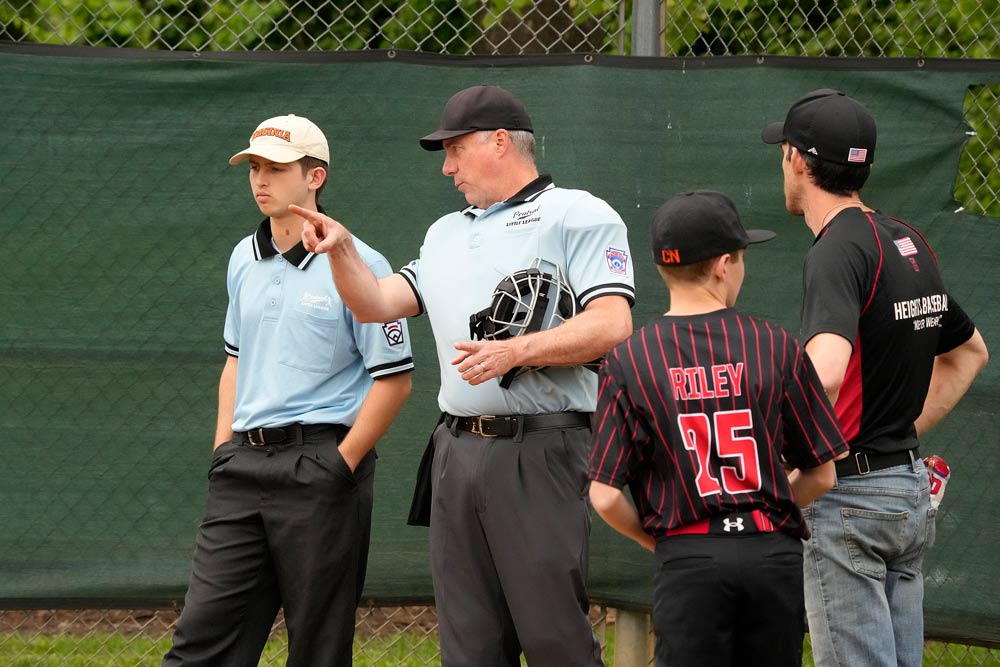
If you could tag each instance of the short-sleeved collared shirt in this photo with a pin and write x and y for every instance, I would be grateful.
(303, 358)
(467, 253)
(874, 281)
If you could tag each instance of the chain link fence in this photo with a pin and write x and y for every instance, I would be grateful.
(681, 28)
(385, 636)
(399, 636)
(880, 28)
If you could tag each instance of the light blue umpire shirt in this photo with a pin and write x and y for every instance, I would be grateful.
(467, 253)
(303, 358)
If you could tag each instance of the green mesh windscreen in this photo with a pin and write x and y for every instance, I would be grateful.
(119, 211)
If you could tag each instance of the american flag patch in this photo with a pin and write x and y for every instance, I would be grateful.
(905, 246)
(857, 155)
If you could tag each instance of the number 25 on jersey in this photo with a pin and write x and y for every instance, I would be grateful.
(739, 469)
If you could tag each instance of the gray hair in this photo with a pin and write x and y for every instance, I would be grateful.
(523, 141)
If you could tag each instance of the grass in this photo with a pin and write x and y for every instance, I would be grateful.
(404, 650)
(399, 650)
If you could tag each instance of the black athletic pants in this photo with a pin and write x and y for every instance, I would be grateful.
(723, 601)
(286, 525)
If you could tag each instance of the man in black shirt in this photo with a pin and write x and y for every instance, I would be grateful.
(696, 413)
(895, 353)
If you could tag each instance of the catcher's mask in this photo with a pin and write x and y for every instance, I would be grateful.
(523, 302)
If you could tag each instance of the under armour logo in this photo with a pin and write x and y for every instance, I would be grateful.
(729, 525)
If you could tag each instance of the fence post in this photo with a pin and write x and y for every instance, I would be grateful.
(646, 27)
(632, 639)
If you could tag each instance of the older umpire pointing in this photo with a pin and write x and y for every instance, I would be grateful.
(509, 517)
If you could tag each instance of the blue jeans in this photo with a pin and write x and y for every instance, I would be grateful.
(864, 590)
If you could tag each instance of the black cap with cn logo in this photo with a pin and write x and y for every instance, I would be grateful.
(830, 125)
(478, 108)
(698, 225)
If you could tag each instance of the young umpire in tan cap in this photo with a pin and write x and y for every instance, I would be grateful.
(696, 413)
(305, 394)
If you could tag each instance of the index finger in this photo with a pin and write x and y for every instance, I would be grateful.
(311, 216)
(462, 356)
(468, 346)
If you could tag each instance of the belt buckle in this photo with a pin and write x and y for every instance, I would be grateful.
(858, 458)
(260, 435)
(477, 425)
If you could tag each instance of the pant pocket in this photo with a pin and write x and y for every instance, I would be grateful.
(220, 457)
(873, 538)
(931, 534)
(316, 466)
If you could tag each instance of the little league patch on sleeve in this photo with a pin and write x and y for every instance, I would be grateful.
(617, 260)
(393, 332)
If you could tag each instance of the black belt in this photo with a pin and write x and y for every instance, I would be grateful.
(507, 426)
(276, 435)
(862, 463)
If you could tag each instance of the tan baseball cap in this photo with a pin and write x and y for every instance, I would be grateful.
(285, 139)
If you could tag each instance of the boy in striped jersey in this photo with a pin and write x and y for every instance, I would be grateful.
(699, 413)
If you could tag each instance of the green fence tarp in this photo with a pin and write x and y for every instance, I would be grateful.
(119, 212)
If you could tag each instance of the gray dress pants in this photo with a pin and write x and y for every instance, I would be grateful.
(509, 533)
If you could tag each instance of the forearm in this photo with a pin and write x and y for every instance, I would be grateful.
(227, 402)
(616, 510)
(809, 484)
(585, 337)
(359, 287)
(952, 376)
(370, 299)
(383, 402)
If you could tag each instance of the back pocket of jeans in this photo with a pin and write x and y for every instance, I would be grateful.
(872, 537)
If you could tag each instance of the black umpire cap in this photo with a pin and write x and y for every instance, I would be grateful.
(478, 108)
(830, 125)
(698, 225)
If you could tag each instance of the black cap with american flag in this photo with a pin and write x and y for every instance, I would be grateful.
(830, 125)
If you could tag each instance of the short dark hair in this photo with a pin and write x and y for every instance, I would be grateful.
(837, 179)
(691, 274)
(308, 162)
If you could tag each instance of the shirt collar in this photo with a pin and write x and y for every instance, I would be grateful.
(263, 246)
(528, 193)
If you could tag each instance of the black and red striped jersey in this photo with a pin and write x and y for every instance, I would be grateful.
(874, 281)
(696, 413)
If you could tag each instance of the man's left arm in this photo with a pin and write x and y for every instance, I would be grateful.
(380, 407)
(588, 335)
(953, 373)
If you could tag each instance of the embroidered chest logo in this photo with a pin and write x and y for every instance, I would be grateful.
(393, 332)
(316, 301)
(524, 217)
(617, 260)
